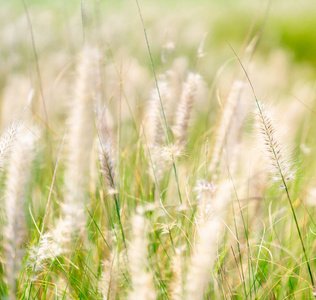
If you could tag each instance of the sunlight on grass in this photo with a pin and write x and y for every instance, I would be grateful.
(157, 149)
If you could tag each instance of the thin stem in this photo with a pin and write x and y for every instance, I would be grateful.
(159, 96)
(279, 167)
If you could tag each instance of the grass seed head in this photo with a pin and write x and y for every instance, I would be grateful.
(274, 150)
(183, 115)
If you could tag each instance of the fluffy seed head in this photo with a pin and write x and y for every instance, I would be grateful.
(170, 153)
(17, 178)
(155, 126)
(108, 281)
(106, 154)
(141, 280)
(6, 141)
(275, 153)
(81, 127)
(190, 89)
(176, 285)
(205, 255)
(226, 129)
(205, 195)
(80, 136)
(40, 254)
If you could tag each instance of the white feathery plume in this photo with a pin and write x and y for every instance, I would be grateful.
(80, 139)
(203, 259)
(275, 153)
(107, 153)
(176, 285)
(61, 234)
(225, 124)
(6, 141)
(155, 126)
(107, 283)
(41, 253)
(17, 178)
(205, 195)
(163, 157)
(142, 284)
(189, 92)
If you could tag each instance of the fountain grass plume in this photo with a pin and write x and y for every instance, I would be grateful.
(80, 138)
(267, 131)
(225, 125)
(183, 115)
(16, 228)
(275, 152)
(142, 284)
(106, 153)
(6, 142)
(205, 254)
(109, 276)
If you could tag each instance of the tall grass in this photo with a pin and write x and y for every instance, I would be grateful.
(155, 179)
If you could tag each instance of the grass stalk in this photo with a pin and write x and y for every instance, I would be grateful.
(160, 100)
(279, 168)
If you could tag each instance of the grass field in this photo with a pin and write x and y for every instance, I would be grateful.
(157, 149)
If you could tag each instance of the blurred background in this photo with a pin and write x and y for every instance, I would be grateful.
(46, 36)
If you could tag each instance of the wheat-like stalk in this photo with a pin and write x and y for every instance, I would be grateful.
(107, 153)
(189, 93)
(16, 230)
(275, 152)
(205, 196)
(80, 138)
(176, 284)
(155, 126)
(108, 282)
(141, 279)
(225, 125)
(6, 141)
(40, 254)
(280, 164)
(204, 257)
